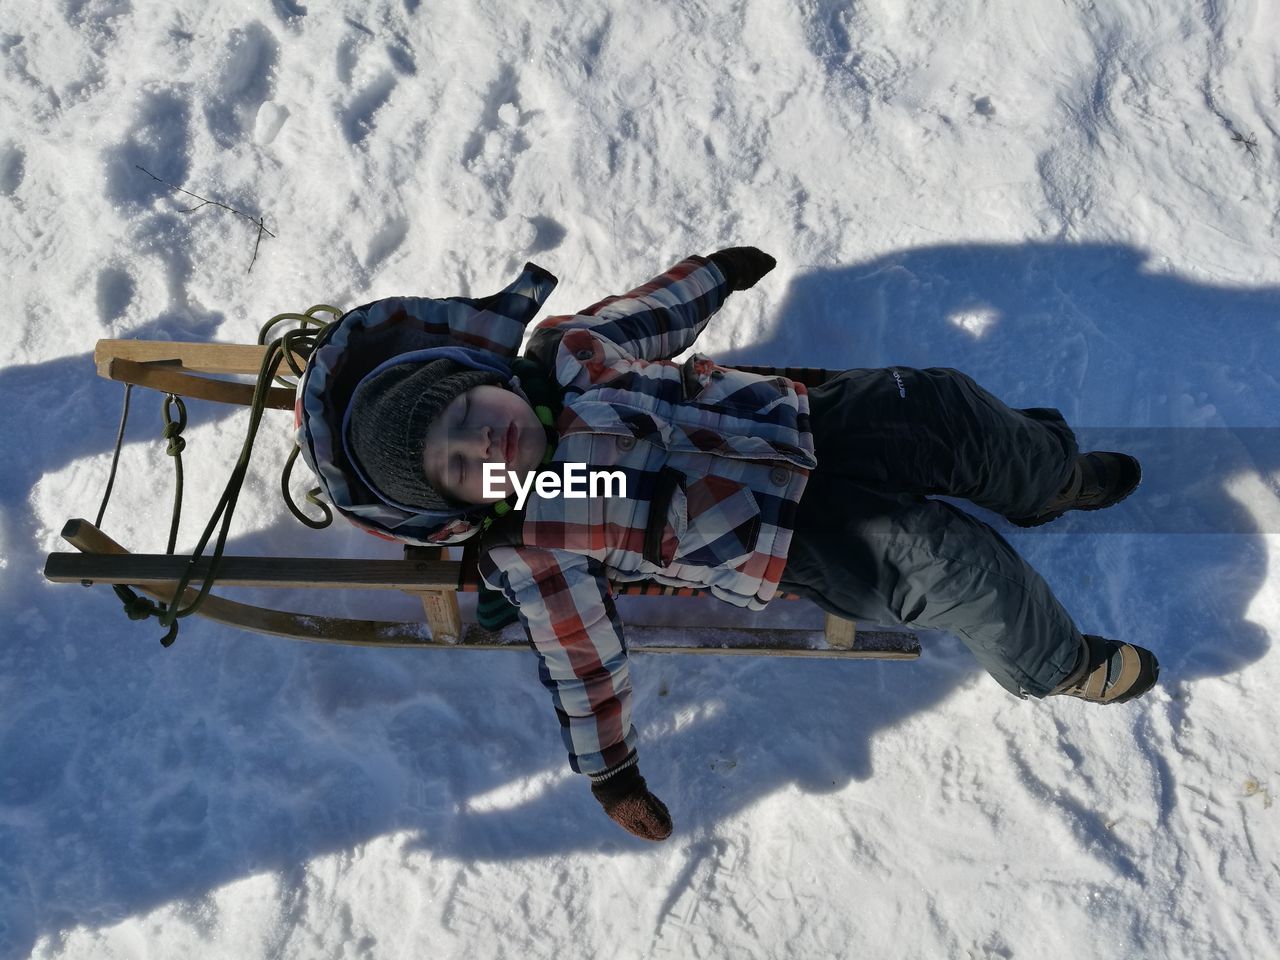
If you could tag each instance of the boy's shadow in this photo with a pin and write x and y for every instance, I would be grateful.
(268, 754)
(1091, 329)
(1180, 374)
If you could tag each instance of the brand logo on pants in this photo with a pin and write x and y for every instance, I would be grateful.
(902, 390)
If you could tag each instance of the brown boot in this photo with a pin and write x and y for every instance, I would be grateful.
(1109, 671)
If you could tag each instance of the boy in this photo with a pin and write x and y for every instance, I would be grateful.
(739, 484)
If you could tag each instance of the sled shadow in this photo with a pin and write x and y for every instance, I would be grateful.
(60, 411)
(232, 754)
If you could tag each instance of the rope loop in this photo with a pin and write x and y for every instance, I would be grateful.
(173, 428)
(311, 496)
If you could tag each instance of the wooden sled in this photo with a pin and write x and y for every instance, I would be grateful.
(185, 369)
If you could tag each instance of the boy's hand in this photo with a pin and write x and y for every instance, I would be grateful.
(628, 802)
(742, 266)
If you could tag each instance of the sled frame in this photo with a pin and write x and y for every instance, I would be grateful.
(185, 369)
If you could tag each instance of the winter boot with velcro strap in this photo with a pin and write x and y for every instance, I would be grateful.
(1100, 479)
(1109, 671)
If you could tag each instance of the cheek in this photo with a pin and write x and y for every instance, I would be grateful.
(528, 424)
(476, 487)
(515, 409)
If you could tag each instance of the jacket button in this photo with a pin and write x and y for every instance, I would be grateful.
(780, 476)
(584, 354)
(626, 443)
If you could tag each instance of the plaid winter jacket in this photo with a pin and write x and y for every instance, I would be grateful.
(715, 461)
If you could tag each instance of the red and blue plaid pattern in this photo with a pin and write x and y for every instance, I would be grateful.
(715, 462)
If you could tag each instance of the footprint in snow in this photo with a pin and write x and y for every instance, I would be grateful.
(245, 82)
(493, 150)
(358, 118)
(13, 169)
(114, 294)
(177, 824)
(35, 757)
(288, 11)
(158, 139)
(386, 241)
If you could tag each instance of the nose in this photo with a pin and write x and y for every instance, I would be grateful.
(478, 443)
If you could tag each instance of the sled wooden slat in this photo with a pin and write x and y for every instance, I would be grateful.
(196, 357)
(440, 606)
(277, 623)
(158, 375)
(840, 632)
(878, 645)
(756, 641)
(733, 641)
(170, 366)
(157, 570)
(192, 357)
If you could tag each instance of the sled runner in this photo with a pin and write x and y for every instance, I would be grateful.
(197, 371)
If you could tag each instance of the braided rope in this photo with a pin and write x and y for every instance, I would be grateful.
(287, 348)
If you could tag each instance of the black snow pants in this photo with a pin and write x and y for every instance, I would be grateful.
(870, 545)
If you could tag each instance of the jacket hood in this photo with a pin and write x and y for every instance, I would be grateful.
(483, 333)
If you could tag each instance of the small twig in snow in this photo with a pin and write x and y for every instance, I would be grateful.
(1250, 143)
(261, 226)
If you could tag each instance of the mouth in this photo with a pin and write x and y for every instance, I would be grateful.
(509, 445)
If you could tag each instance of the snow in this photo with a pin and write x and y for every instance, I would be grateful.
(1055, 196)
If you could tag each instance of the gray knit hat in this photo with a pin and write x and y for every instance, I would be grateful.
(389, 417)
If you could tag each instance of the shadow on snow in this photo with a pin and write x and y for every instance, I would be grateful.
(134, 777)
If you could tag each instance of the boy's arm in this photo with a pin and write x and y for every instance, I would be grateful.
(564, 602)
(664, 316)
(567, 610)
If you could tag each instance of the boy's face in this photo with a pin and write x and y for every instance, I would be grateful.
(484, 425)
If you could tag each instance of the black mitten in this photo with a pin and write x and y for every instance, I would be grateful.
(627, 800)
(742, 266)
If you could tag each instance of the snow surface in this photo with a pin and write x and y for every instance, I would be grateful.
(1055, 196)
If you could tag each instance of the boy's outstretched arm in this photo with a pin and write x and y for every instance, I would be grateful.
(659, 319)
(567, 609)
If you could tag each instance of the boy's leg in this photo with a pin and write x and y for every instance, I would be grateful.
(867, 555)
(936, 431)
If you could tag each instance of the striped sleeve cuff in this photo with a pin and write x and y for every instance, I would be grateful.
(626, 764)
